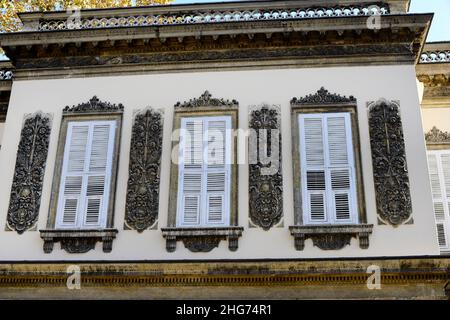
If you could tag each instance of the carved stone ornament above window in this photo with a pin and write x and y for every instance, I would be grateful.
(144, 171)
(331, 237)
(26, 190)
(265, 180)
(322, 96)
(206, 100)
(94, 106)
(78, 241)
(201, 239)
(436, 136)
(390, 171)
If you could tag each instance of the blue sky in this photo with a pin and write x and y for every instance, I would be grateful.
(440, 29)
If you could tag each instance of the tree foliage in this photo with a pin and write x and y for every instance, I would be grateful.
(9, 21)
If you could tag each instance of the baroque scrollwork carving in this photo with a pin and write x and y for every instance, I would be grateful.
(94, 105)
(26, 190)
(331, 241)
(202, 243)
(78, 245)
(144, 171)
(390, 170)
(436, 136)
(322, 96)
(78, 241)
(206, 100)
(265, 173)
(201, 239)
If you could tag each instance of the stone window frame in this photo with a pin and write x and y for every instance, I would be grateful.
(203, 239)
(328, 236)
(83, 240)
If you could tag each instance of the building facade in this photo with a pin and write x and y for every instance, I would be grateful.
(252, 149)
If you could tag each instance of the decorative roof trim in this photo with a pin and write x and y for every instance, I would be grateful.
(213, 16)
(94, 105)
(322, 96)
(435, 57)
(206, 100)
(6, 74)
(437, 136)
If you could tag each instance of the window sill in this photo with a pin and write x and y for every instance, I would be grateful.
(331, 237)
(201, 239)
(78, 241)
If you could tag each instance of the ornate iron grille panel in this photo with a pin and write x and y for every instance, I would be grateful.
(390, 170)
(26, 189)
(144, 171)
(265, 178)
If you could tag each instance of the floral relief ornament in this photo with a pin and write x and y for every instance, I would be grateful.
(390, 170)
(266, 190)
(144, 171)
(26, 190)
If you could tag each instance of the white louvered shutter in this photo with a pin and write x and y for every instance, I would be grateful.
(191, 171)
(314, 169)
(204, 172)
(439, 171)
(216, 176)
(327, 168)
(85, 179)
(340, 161)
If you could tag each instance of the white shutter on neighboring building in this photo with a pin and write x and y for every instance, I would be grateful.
(86, 175)
(439, 171)
(327, 168)
(204, 172)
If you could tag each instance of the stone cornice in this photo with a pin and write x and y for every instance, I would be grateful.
(310, 43)
(402, 270)
(435, 77)
(434, 67)
(416, 23)
(434, 72)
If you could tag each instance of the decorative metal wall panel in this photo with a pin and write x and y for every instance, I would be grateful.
(265, 187)
(390, 170)
(28, 178)
(144, 171)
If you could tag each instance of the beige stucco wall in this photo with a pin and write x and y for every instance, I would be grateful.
(249, 88)
(420, 90)
(439, 117)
